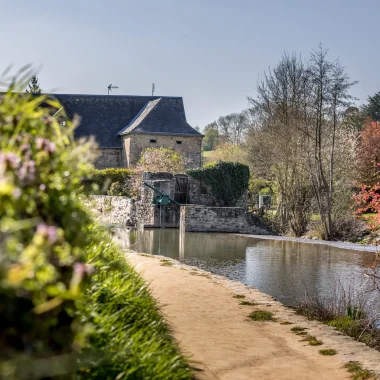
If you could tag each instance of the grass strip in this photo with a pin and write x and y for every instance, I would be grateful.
(128, 334)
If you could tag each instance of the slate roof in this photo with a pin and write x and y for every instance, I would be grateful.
(104, 116)
(157, 117)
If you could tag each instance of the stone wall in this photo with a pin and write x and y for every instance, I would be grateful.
(109, 158)
(112, 210)
(189, 146)
(220, 219)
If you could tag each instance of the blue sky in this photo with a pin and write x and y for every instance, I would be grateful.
(211, 52)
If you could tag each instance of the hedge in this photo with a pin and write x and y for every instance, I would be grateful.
(109, 181)
(228, 180)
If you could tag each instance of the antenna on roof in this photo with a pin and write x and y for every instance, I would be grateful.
(110, 87)
(153, 88)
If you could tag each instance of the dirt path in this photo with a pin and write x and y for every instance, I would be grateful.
(214, 330)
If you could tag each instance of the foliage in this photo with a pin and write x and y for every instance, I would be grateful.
(211, 137)
(368, 200)
(338, 311)
(368, 154)
(34, 86)
(228, 180)
(261, 315)
(155, 160)
(261, 186)
(67, 295)
(110, 181)
(328, 352)
(372, 108)
(229, 129)
(297, 138)
(41, 235)
(358, 372)
(228, 153)
(128, 335)
(161, 160)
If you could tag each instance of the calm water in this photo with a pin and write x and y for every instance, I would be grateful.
(283, 269)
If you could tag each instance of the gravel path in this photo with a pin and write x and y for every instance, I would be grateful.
(214, 330)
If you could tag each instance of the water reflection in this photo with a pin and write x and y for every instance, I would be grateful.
(283, 269)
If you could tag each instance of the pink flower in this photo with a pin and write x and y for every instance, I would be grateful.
(49, 232)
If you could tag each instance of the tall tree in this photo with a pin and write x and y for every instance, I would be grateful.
(298, 139)
(211, 139)
(34, 86)
(372, 109)
(329, 98)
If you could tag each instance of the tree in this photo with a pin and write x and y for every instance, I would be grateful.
(277, 145)
(34, 86)
(229, 153)
(297, 137)
(233, 127)
(211, 139)
(329, 86)
(368, 155)
(372, 109)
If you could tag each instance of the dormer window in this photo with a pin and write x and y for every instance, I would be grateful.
(179, 142)
(153, 141)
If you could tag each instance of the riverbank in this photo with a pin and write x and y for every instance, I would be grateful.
(336, 244)
(214, 330)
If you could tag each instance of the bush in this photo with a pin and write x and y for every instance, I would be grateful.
(228, 180)
(109, 181)
(67, 295)
(42, 239)
(161, 160)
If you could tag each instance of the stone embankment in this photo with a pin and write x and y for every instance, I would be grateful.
(112, 210)
(124, 211)
(213, 328)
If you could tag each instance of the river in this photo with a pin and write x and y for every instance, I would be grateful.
(285, 269)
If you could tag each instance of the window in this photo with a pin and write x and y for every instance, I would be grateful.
(179, 142)
(153, 141)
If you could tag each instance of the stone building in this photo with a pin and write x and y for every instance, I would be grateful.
(124, 125)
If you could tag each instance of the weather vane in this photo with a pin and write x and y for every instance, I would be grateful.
(110, 87)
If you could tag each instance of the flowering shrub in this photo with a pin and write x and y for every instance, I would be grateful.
(42, 266)
(67, 295)
(368, 200)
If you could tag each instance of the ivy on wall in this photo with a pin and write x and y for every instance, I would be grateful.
(228, 180)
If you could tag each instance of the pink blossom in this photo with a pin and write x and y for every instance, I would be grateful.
(49, 232)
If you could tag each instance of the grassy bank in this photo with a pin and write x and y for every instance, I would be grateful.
(346, 318)
(128, 335)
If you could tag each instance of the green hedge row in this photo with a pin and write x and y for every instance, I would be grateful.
(109, 181)
(228, 180)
